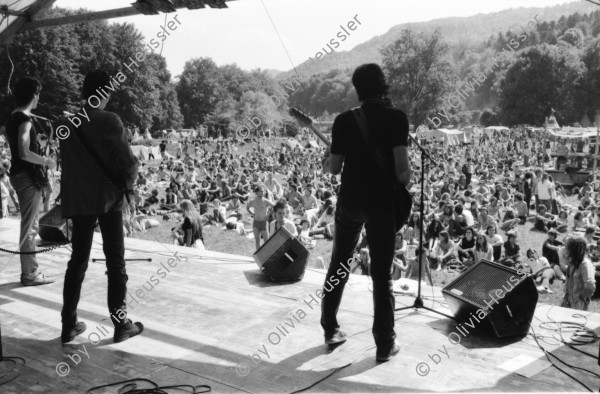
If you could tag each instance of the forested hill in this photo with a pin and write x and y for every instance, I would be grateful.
(467, 31)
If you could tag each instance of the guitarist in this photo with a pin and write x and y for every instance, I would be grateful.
(26, 160)
(366, 198)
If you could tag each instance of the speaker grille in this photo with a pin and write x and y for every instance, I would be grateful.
(481, 283)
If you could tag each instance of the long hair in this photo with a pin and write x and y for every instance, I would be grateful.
(484, 246)
(369, 82)
(577, 247)
(190, 212)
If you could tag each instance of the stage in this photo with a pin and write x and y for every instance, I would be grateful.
(214, 319)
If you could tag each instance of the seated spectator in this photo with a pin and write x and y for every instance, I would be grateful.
(540, 270)
(304, 236)
(512, 250)
(521, 208)
(483, 251)
(580, 222)
(170, 200)
(562, 222)
(420, 259)
(550, 252)
(412, 232)
(362, 264)
(219, 213)
(189, 232)
(400, 247)
(444, 250)
(495, 241)
(466, 248)
(590, 231)
(544, 220)
(281, 221)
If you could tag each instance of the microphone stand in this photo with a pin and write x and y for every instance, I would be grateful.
(418, 304)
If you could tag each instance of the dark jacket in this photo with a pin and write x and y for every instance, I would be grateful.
(85, 189)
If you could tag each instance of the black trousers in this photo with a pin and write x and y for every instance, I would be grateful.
(111, 226)
(380, 227)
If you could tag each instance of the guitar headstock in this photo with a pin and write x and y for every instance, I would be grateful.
(301, 117)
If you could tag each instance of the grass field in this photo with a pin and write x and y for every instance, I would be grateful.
(220, 240)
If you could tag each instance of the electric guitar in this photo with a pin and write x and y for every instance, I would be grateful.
(402, 197)
(41, 177)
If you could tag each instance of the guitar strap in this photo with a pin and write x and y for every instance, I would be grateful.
(363, 125)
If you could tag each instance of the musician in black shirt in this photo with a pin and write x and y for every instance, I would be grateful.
(26, 162)
(366, 198)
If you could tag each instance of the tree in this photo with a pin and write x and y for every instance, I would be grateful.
(489, 118)
(197, 90)
(541, 77)
(419, 73)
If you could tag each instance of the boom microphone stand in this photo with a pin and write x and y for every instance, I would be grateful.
(419, 301)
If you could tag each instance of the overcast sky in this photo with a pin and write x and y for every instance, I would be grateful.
(243, 33)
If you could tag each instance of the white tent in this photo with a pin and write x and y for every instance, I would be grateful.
(573, 132)
(491, 129)
(448, 137)
(143, 152)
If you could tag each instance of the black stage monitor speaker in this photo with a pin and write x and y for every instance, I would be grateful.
(53, 227)
(493, 297)
(282, 257)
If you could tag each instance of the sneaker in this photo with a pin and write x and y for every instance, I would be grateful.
(336, 339)
(41, 279)
(70, 332)
(391, 353)
(127, 330)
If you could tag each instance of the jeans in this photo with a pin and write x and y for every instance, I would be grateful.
(30, 199)
(111, 227)
(380, 227)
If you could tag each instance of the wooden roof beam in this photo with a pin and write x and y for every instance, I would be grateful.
(92, 16)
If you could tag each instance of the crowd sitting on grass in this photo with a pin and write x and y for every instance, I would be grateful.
(476, 197)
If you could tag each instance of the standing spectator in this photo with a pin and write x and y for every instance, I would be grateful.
(544, 192)
(581, 283)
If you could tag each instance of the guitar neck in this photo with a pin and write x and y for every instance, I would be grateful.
(321, 136)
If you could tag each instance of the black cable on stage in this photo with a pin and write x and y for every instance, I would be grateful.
(535, 337)
(129, 387)
(46, 250)
(14, 360)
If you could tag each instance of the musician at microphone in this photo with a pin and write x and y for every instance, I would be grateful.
(366, 198)
(25, 156)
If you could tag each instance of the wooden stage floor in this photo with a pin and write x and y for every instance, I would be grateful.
(215, 319)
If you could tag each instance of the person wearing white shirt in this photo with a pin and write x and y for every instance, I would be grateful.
(544, 193)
